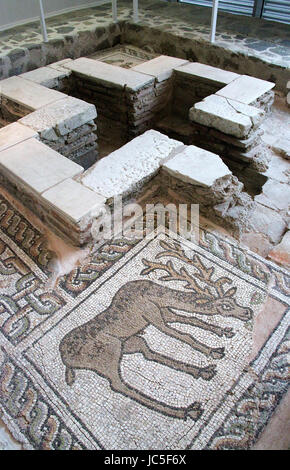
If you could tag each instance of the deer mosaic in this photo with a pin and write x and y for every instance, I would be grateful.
(100, 344)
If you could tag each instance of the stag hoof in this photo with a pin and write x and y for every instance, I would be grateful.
(229, 333)
(194, 411)
(217, 353)
(207, 373)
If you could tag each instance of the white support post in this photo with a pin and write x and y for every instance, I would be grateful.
(135, 11)
(114, 11)
(42, 22)
(213, 20)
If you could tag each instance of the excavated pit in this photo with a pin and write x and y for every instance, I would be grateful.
(162, 102)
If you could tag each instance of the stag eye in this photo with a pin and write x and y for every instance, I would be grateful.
(226, 307)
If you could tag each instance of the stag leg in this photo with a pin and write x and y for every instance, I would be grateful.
(170, 316)
(193, 411)
(156, 319)
(70, 376)
(137, 344)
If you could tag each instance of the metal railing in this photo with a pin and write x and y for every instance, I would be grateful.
(114, 15)
(275, 10)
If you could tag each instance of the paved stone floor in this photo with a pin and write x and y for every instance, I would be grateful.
(267, 41)
(69, 379)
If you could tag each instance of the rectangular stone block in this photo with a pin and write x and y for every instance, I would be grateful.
(161, 68)
(36, 165)
(14, 134)
(109, 75)
(197, 166)
(206, 73)
(246, 89)
(59, 65)
(227, 116)
(46, 76)
(73, 200)
(126, 169)
(27, 93)
(60, 118)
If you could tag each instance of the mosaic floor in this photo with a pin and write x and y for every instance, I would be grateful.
(145, 345)
(124, 56)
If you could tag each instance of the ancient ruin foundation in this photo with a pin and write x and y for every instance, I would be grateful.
(206, 147)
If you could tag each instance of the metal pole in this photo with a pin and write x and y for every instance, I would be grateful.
(213, 20)
(42, 22)
(135, 11)
(114, 11)
(258, 8)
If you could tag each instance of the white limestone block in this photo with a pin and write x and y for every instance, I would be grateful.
(197, 166)
(281, 253)
(46, 76)
(73, 200)
(13, 134)
(267, 221)
(59, 65)
(27, 93)
(246, 89)
(203, 72)
(36, 165)
(60, 118)
(282, 146)
(227, 116)
(128, 167)
(275, 195)
(160, 67)
(109, 75)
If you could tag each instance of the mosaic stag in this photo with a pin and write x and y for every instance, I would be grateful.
(100, 343)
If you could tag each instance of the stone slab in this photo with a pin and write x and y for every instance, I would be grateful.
(227, 116)
(213, 75)
(13, 134)
(60, 118)
(73, 200)
(270, 223)
(109, 75)
(59, 65)
(275, 195)
(281, 253)
(46, 76)
(246, 89)
(161, 68)
(279, 169)
(27, 93)
(282, 147)
(37, 165)
(197, 166)
(125, 169)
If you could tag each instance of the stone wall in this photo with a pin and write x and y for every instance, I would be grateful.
(128, 102)
(227, 121)
(64, 123)
(72, 202)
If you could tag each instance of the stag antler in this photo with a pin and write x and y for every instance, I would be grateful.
(174, 275)
(203, 273)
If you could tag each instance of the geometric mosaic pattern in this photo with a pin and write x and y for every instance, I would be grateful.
(143, 346)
